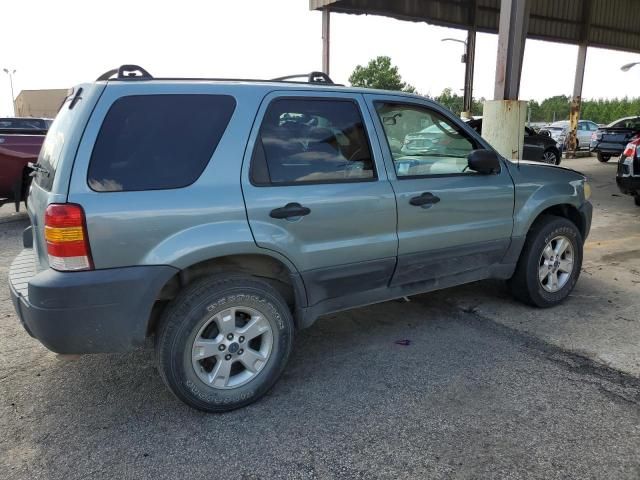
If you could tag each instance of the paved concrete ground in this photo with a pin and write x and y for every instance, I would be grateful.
(476, 394)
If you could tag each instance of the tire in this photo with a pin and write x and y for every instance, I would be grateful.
(201, 312)
(526, 284)
(551, 156)
(636, 200)
(603, 158)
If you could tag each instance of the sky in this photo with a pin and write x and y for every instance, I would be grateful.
(57, 44)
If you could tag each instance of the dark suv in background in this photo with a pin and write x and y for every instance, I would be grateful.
(538, 146)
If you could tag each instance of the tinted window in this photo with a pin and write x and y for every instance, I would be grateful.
(309, 140)
(151, 142)
(423, 142)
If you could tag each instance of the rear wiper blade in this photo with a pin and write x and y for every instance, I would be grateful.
(37, 168)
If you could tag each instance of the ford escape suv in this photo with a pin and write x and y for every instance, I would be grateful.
(219, 216)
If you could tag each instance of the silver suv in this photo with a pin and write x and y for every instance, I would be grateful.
(219, 216)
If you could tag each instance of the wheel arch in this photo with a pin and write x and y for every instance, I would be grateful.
(564, 210)
(278, 272)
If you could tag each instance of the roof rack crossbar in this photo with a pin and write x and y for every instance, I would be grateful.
(313, 77)
(126, 72)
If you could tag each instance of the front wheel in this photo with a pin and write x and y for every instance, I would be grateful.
(549, 264)
(224, 342)
(603, 158)
(636, 200)
(551, 157)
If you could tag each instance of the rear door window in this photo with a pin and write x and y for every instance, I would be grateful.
(154, 142)
(312, 141)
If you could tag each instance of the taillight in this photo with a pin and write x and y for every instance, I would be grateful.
(632, 146)
(65, 231)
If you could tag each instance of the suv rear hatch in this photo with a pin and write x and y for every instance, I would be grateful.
(53, 168)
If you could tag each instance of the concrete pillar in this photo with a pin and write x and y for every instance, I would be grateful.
(509, 117)
(326, 44)
(504, 117)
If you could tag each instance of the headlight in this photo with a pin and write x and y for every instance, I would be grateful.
(587, 190)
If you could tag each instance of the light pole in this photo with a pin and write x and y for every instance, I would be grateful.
(629, 66)
(11, 73)
(469, 60)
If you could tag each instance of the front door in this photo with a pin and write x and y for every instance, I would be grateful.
(452, 222)
(316, 191)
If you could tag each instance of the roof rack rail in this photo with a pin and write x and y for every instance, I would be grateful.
(313, 77)
(126, 72)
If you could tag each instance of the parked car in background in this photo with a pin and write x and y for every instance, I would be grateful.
(221, 216)
(610, 141)
(560, 130)
(20, 142)
(628, 175)
(538, 146)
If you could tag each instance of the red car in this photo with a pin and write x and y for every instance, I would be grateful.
(20, 142)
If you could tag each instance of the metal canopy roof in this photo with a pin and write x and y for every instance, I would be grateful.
(612, 24)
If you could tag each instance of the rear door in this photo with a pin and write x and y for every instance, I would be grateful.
(316, 191)
(452, 222)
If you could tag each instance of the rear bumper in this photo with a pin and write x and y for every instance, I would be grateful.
(628, 175)
(613, 149)
(629, 185)
(86, 312)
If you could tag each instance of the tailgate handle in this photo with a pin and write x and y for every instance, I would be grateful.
(290, 210)
(426, 200)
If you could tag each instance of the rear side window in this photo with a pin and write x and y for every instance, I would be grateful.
(311, 141)
(51, 150)
(154, 142)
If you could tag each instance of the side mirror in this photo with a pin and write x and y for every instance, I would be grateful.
(546, 133)
(484, 161)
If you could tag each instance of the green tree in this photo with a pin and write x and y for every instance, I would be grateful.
(455, 102)
(379, 73)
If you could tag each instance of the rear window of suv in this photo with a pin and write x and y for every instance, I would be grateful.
(156, 142)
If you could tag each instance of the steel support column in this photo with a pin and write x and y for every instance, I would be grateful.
(326, 33)
(512, 34)
(576, 101)
(470, 58)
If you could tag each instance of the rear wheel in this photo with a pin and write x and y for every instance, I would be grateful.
(636, 200)
(603, 158)
(224, 342)
(550, 262)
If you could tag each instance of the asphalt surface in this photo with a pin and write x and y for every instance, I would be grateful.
(467, 398)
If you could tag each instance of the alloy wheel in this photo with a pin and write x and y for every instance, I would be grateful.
(232, 347)
(556, 264)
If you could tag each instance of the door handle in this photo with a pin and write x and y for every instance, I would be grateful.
(425, 200)
(290, 210)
